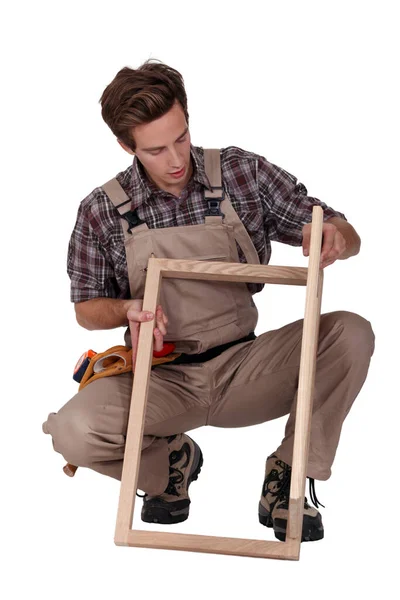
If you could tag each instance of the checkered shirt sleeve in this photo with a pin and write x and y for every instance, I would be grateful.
(97, 269)
(286, 205)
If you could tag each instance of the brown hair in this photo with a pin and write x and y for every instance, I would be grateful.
(135, 97)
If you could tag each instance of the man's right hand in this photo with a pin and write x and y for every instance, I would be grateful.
(135, 316)
(108, 313)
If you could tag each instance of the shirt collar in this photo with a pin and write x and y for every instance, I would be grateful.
(143, 189)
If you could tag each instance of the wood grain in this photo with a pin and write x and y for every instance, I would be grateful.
(213, 544)
(134, 437)
(306, 379)
(225, 271)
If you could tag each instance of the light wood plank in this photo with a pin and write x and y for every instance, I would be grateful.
(213, 544)
(225, 271)
(134, 436)
(306, 380)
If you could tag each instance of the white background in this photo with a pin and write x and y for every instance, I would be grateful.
(313, 86)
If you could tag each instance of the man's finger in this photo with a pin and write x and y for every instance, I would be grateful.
(158, 340)
(327, 241)
(327, 263)
(134, 330)
(160, 321)
(164, 316)
(340, 243)
(306, 240)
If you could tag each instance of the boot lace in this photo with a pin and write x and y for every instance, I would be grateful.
(313, 495)
(283, 480)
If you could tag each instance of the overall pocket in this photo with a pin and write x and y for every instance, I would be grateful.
(196, 306)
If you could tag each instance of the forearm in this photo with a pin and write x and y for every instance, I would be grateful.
(102, 313)
(353, 241)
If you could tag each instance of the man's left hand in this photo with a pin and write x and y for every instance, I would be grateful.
(333, 243)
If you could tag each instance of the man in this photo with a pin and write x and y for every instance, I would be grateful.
(224, 376)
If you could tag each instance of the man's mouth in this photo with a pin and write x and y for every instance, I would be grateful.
(178, 173)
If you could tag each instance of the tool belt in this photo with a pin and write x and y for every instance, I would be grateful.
(117, 360)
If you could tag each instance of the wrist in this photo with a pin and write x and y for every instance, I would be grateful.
(123, 311)
(131, 304)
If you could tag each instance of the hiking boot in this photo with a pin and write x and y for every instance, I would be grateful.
(185, 462)
(273, 509)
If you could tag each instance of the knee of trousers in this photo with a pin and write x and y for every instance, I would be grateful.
(75, 439)
(355, 333)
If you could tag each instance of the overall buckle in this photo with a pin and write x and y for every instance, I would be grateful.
(214, 205)
(133, 220)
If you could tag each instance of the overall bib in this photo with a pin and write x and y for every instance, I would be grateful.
(226, 377)
(201, 314)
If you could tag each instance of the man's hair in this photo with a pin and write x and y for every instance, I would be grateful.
(135, 97)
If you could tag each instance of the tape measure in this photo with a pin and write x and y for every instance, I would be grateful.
(83, 364)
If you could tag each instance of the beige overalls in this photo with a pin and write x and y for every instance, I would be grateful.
(250, 382)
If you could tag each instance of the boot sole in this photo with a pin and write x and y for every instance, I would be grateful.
(311, 532)
(163, 514)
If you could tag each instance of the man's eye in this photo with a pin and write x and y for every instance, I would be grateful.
(182, 139)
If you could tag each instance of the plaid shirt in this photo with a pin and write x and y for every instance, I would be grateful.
(270, 202)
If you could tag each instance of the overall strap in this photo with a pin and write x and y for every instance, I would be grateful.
(212, 166)
(122, 203)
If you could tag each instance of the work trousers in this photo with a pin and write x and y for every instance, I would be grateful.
(250, 383)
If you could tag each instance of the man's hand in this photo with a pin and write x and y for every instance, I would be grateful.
(136, 316)
(333, 243)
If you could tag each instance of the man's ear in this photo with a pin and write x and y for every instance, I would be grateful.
(126, 148)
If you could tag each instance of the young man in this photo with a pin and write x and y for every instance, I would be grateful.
(225, 376)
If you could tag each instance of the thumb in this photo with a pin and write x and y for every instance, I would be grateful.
(138, 315)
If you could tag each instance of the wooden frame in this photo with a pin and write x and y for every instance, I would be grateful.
(312, 277)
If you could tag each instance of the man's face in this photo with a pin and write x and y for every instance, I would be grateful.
(163, 148)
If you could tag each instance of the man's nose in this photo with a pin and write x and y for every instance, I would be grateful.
(173, 158)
